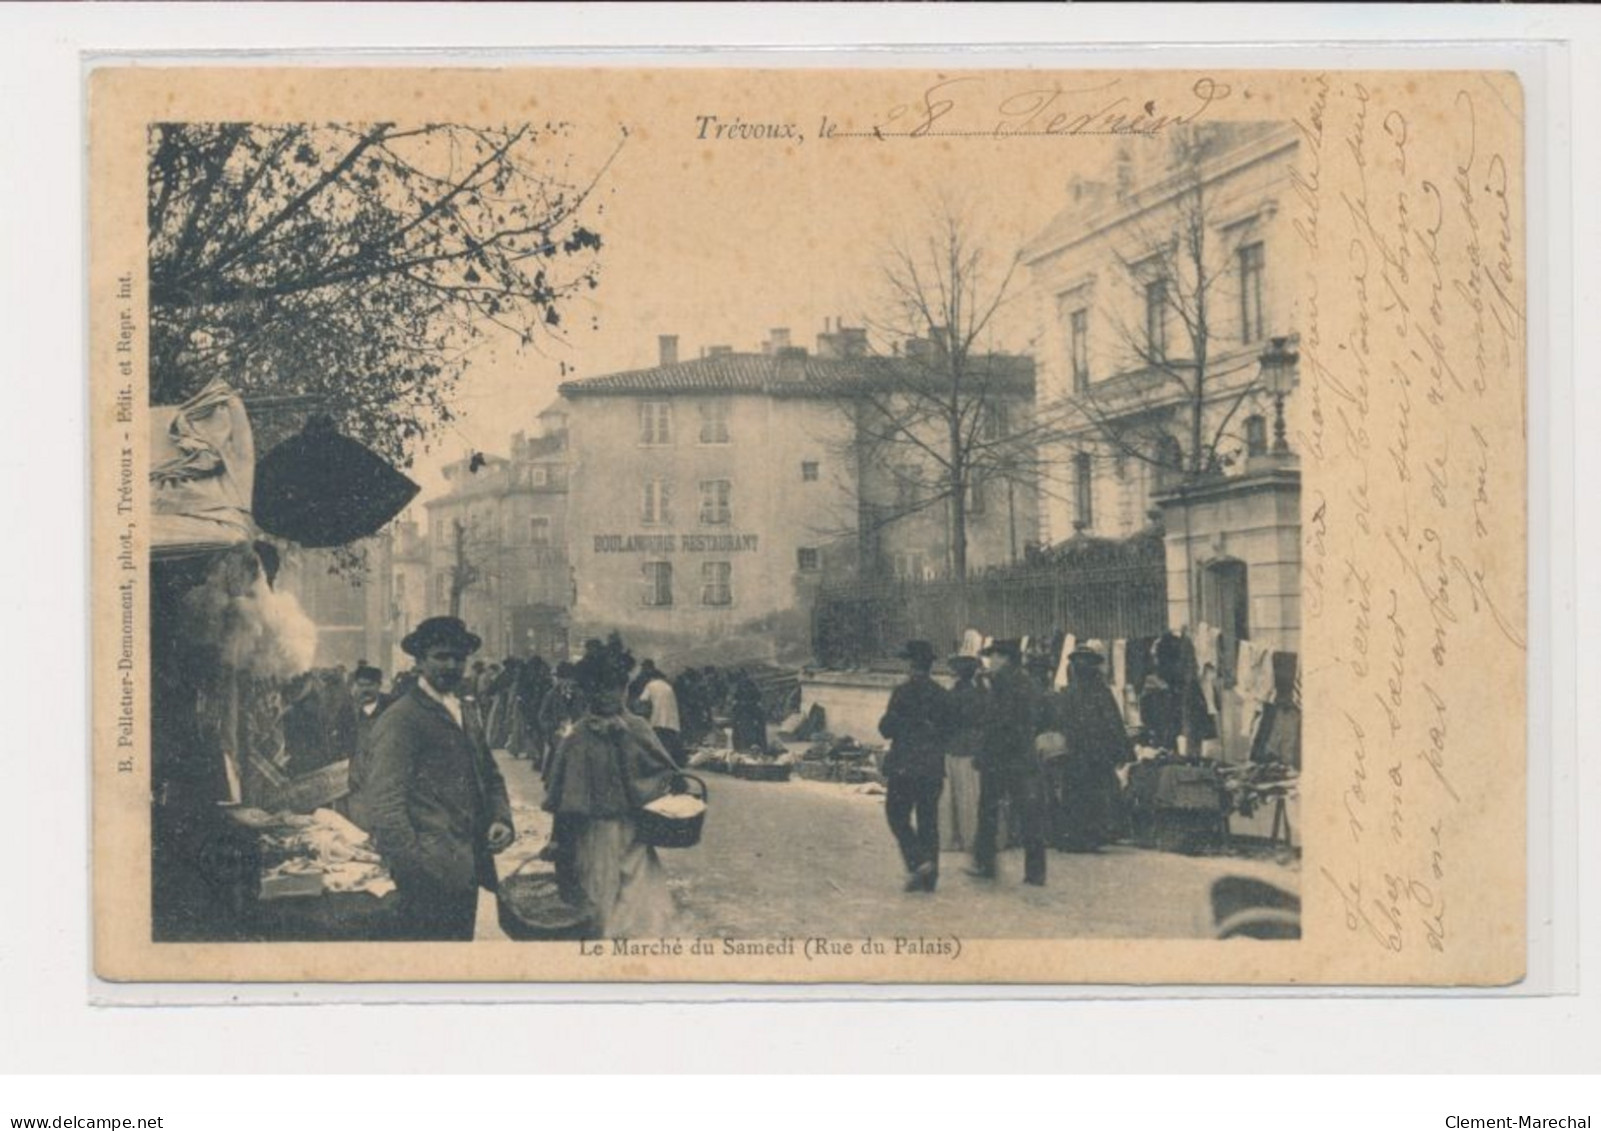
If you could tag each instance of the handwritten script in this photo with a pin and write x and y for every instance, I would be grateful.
(1411, 439)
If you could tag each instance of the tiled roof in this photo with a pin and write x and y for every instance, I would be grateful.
(769, 375)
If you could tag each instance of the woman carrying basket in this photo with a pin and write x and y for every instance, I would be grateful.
(610, 765)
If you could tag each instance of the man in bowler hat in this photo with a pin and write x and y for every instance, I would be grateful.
(918, 724)
(434, 798)
(1008, 765)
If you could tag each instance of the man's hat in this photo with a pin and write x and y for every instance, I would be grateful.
(1012, 648)
(962, 661)
(1086, 653)
(366, 671)
(439, 631)
(919, 652)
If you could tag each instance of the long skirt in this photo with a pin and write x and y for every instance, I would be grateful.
(958, 806)
(1085, 811)
(624, 880)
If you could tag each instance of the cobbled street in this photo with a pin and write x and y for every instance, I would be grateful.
(816, 859)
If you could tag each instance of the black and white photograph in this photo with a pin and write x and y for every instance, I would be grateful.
(806, 525)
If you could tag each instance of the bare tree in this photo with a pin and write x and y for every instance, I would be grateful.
(942, 398)
(354, 266)
(1191, 308)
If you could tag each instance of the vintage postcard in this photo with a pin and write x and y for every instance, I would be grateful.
(657, 524)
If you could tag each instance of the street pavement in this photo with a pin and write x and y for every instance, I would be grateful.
(817, 858)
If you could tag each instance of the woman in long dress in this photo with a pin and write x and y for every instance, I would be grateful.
(1088, 811)
(602, 772)
(958, 819)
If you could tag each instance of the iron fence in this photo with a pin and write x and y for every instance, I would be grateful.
(1120, 596)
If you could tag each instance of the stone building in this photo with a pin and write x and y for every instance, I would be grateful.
(1161, 287)
(347, 594)
(711, 497)
(496, 545)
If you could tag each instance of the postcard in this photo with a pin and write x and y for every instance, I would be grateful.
(792, 525)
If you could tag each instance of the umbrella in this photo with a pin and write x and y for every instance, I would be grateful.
(323, 489)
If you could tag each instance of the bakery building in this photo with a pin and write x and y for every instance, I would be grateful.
(712, 497)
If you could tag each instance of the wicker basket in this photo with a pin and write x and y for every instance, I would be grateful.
(533, 909)
(662, 831)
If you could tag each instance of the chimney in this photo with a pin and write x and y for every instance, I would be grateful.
(719, 351)
(669, 348)
(777, 340)
(791, 363)
(852, 341)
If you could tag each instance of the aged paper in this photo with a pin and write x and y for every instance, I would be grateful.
(1371, 516)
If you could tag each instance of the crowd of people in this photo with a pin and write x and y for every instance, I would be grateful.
(1001, 734)
(606, 735)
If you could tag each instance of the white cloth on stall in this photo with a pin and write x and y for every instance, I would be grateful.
(1206, 645)
(972, 642)
(1069, 642)
(1254, 675)
(1119, 674)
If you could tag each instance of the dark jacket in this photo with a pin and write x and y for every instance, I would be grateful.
(361, 762)
(1014, 720)
(969, 706)
(431, 793)
(918, 726)
(1086, 714)
(608, 767)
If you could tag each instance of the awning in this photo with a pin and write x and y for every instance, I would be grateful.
(202, 469)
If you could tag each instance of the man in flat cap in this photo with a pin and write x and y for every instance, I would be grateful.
(918, 725)
(1008, 765)
(434, 798)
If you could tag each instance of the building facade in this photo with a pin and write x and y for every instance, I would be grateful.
(496, 545)
(347, 595)
(712, 497)
(1160, 289)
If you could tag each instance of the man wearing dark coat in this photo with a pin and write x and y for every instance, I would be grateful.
(1086, 715)
(918, 725)
(434, 797)
(366, 693)
(1009, 767)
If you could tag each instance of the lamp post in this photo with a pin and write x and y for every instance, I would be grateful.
(1278, 374)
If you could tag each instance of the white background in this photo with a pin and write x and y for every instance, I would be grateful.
(47, 1021)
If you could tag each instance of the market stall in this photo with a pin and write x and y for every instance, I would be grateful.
(245, 843)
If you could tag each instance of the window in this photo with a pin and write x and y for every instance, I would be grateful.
(908, 487)
(442, 590)
(714, 502)
(1125, 496)
(806, 559)
(909, 567)
(655, 422)
(976, 496)
(1251, 293)
(716, 583)
(714, 422)
(809, 471)
(539, 476)
(993, 424)
(1255, 435)
(658, 584)
(1080, 332)
(1083, 492)
(1156, 318)
(539, 530)
(656, 503)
